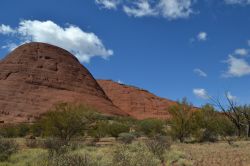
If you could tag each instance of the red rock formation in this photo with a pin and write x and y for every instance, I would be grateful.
(36, 76)
(136, 102)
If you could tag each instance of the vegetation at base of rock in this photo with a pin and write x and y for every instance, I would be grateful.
(7, 148)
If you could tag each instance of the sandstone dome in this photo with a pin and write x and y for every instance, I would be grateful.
(35, 76)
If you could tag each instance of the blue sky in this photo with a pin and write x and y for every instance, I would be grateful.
(173, 48)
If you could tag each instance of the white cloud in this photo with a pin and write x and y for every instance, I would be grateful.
(173, 9)
(237, 67)
(200, 93)
(170, 9)
(202, 36)
(142, 8)
(241, 51)
(239, 2)
(84, 45)
(231, 97)
(199, 72)
(108, 4)
(5, 29)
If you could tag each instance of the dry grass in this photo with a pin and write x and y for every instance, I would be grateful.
(217, 154)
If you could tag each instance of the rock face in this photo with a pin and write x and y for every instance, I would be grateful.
(36, 76)
(138, 103)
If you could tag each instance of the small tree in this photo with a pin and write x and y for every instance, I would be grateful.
(181, 120)
(67, 120)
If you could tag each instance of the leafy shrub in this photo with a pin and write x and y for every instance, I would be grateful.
(151, 127)
(99, 130)
(7, 148)
(126, 138)
(135, 154)
(67, 120)
(23, 129)
(8, 131)
(13, 131)
(116, 128)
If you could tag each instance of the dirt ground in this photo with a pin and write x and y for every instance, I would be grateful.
(217, 154)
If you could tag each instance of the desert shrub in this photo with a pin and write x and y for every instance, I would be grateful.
(151, 127)
(22, 129)
(116, 128)
(181, 120)
(31, 143)
(67, 120)
(158, 145)
(205, 124)
(8, 131)
(34, 143)
(88, 156)
(36, 129)
(13, 131)
(70, 160)
(99, 130)
(7, 148)
(175, 157)
(126, 138)
(56, 146)
(135, 154)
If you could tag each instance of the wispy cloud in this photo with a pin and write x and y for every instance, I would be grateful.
(108, 4)
(230, 96)
(241, 51)
(84, 45)
(6, 30)
(239, 2)
(140, 9)
(200, 72)
(200, 93)
(169, 9)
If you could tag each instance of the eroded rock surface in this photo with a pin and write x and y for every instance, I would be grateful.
(136, 102)
(36, 76)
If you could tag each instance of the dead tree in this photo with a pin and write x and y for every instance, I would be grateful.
(233, 112)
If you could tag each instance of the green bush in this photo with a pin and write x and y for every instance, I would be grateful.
(116, 128)
(66, 121)
(7, 148)
(151, 127)
(99, 130)
(8, 131)
(14, 131)
(135, 154)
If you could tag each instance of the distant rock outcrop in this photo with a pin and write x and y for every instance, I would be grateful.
(36, 76)
(136, 102)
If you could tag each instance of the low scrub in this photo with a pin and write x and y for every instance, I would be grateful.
(7, 148)
(134, 154)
